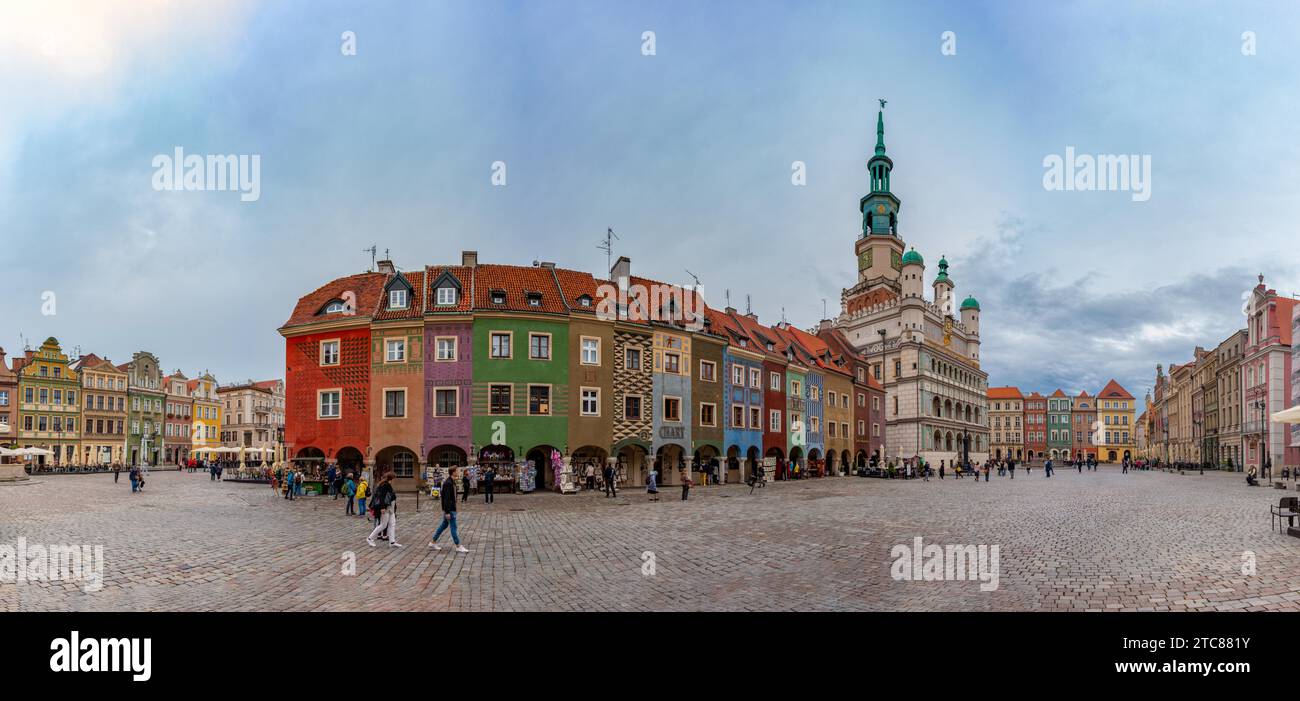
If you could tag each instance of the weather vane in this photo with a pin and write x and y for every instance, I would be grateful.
(882, 103)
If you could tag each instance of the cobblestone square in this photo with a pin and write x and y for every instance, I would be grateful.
(1091, 541)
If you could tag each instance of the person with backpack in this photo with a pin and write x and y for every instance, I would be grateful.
(362, 487)
(385, 507)
(447, 498)
(350, 491)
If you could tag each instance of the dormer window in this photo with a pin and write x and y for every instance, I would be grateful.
(397, 299)
(498, 297)
(336, 307)
(744, 342)
(446, 296)
(584, 301)
(534, 299)
(771, 347)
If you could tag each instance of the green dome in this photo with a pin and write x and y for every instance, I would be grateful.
(913, 257)
(970, 303)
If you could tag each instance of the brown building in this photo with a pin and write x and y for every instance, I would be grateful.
(397, 378)
(178, 428)
(707, 393)
(591, 372)
(103, 410)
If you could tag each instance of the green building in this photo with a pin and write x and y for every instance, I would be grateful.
(145, 398)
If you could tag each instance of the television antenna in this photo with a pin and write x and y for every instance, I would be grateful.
(373, 250)
(607, 245)
(694, 277)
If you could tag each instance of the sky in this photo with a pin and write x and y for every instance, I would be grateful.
(685, 151)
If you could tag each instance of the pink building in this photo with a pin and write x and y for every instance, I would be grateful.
(1267, 387)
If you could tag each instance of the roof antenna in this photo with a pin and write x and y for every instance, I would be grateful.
(823, 307)
(607, 245)
(727, 294)
(747, 310)
(373, 251)
(694, 277)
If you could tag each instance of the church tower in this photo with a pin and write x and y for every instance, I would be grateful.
(879, 249)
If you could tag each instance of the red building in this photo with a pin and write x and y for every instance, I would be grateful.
(1035, 426)
(327, 372)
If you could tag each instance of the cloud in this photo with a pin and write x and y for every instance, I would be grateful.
(1046, 328)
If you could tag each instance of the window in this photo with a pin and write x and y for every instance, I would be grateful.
(708, 371)
(4, 397)
(632, 358)
(737, 416)
(395, 350)
(335, 307)
(708, 414)
(590, 401)
(672, 363)
(632, 407)
(737, 375)
(534, 299)
(590, 351)
(830, 429)
(329, 405)
(444, 348)
(539, 346)
(774, 381)
(498, 297)
(446, 402)
(830, 397)
(539, 400)
(774, 421)
(672, 409)
(329, 353)
(500, 344)
(446, 295)
(755, 418)
(755, 378)
(394, 403)
(796, 389)
(404, 464)
(814, 424)
(500, 399)
(397, 299)
(844, 401)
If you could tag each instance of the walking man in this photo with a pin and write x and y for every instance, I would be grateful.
(611, 490)
(489, 477)
(686, 480)
(447, 497)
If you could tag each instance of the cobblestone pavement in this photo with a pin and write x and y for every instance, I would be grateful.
(1091, 541)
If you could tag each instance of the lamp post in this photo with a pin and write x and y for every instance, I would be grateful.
(883, 433)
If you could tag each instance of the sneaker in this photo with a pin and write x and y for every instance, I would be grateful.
(434, 545)
(371, 541)
(461, 549)
(395, 545)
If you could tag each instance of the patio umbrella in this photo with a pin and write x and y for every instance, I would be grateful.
(1287, 416)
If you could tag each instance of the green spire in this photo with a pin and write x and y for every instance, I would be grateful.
(880, 130)
(943, 269)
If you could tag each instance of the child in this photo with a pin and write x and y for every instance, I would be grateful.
(361, 499)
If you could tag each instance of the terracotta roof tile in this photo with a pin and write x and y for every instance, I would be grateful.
(414, 308)
(463, 274)
(1005, 393)
(1113, 390)
(366, 287)
(518, 282)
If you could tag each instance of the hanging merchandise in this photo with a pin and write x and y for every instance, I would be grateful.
(527, 472)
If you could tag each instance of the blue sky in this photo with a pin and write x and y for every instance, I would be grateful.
(686, 154)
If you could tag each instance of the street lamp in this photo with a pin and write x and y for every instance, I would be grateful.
(884, 432)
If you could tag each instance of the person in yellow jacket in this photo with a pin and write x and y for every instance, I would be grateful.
(362, 490)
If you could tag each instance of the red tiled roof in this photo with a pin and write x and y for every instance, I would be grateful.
(574, 284)
(414, 306)
(1005, 393)
(463, 274)
(1113, 390)
(1058, 393)
(1083, 394)
(517, 282)
(366, 287)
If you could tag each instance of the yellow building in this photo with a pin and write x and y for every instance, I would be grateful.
(1116, 414)
(206, 413)
(49, 415)
(103, 410)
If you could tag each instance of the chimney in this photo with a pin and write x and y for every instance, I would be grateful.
(469, 259)
(386, 266)
(729, 311)
(622, 269)
(825, 325)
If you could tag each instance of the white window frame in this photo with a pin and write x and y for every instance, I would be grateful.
(389, 345)
(437, 348)
(338, 346)
(320, 393)
(510, 345)
(582, 350)
(442, 293)
(384, 399)
(582, 401)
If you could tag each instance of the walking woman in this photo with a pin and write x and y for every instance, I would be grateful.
(385, 504)
(651, 485)
(686, 480)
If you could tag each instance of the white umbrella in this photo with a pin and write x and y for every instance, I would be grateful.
(1287, 416)
(34, 452)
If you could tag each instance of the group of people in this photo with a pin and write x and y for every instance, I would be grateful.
(137, 474)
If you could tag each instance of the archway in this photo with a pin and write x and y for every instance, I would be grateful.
(861, 460)
(1110, 456)
(844, 462)
(831, 465)
(816, 466)
(935, 408)
(751, 460)
(349, 459)
(938, 440)
(543, 469)
(398, 459)
(733, 463)
(705, 455)
(947, 442)
(632, 459)
(307, 458)
(1128, 455)
(448, 455)
(668, 459)
(796, 458)
(588, 456)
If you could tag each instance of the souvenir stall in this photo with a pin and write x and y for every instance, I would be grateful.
(502, 461)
